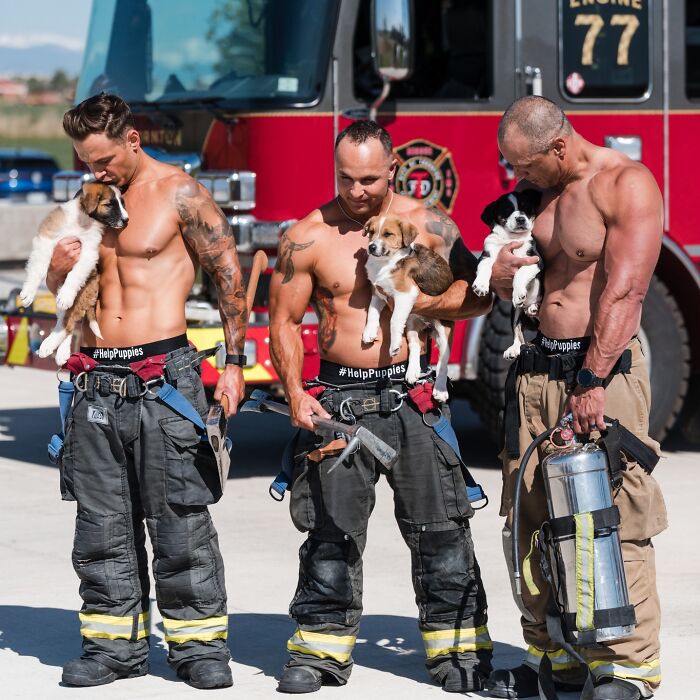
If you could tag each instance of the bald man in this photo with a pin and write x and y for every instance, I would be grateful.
(599, 232)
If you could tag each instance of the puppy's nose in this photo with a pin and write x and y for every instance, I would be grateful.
(372, 247)
(521, 220)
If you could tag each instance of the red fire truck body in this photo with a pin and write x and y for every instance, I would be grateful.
(626, 72)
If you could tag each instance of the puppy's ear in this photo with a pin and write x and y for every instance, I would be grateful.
(369, 226)
(530, 199)
(409, 232)
(488, 216)
(90, 197)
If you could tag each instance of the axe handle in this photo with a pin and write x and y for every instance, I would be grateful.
(224, 403)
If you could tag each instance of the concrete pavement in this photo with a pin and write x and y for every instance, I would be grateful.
(39, 598)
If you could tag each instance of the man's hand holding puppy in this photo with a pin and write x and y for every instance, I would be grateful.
(505, 267)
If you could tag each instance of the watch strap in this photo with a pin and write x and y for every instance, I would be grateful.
(240, 360)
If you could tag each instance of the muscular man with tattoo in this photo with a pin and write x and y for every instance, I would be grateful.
(321, 261)
(129, 454)
(599, 231)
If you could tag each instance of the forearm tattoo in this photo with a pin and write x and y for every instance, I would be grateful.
(322, 300)
(284, 262)
(215, 247)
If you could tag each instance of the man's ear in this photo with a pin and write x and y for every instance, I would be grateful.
(90, 196)
(409, 232)
(133, 139)
(488, 216)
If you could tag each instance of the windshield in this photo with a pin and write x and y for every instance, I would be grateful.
(163, 51)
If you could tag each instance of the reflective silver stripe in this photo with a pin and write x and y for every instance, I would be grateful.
(440, 642)
(114, 627)
(322, 645)
(201, 630)
(559, 658)
(585, 584)
(650, 671)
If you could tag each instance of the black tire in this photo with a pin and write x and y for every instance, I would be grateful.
(665, 340)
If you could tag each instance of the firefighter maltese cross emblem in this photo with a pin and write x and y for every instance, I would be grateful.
(426, 171)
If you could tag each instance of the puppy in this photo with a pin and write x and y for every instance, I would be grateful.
(511, 218)
(85, 217)
(402, 268)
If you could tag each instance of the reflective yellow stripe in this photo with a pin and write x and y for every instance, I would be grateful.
(649, 671)
(204, 630)
(460, 640)
(561, 661)
(112, 627)
(585, 585)
(527, 567)
(323, 646)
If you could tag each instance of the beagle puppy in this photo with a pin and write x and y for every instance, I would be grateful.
(402, 268)
(85, 217)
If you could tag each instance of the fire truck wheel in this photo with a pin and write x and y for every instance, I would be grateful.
(666, 347)
(664, 340)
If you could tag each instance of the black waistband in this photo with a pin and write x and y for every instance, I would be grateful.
(336, 374)
(558, 346)
(133, 353)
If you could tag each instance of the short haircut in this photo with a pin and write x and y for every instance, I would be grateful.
(100, 114)
(363, 130)
(538, 119)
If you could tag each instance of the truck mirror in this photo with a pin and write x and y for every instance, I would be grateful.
(392, 38)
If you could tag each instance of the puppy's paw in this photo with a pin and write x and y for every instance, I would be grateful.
(412, 374)
(519, 297)
(62, 354)
(512, 352)
(65, 299)
(26, 296)
(480, 287)
(51, 342)
(369, 335)
(532, 310)
(439, 395)
(394, 350)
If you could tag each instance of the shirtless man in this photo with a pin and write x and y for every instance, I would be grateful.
(321, 260)
(127, 454)
(599, 232)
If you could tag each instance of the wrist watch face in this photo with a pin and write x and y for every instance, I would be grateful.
(586, 377)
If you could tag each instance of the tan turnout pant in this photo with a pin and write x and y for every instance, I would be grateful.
(642, 514)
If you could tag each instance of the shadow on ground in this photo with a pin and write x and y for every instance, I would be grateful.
(388, 643)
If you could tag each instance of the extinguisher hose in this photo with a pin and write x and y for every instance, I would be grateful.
(515, 526)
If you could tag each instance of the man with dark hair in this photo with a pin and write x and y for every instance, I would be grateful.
(128, 453)
(599, 232)
(321, 261)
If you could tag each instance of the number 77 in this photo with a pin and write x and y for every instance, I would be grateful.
(596, 23)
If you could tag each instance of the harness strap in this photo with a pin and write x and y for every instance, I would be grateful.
(603, 519)
(66, 390)
(444, 430)
(170, 396)
(283, 479)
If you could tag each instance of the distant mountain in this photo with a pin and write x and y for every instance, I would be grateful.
(39, 60)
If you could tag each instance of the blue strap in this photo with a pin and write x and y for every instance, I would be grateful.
(283, 479)
(65, 403)
(169, 395)
(446, 432)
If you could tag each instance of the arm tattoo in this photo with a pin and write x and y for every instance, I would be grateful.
(215, 247)
(322, 300)
(462, 262)
(284, 258)
(441, 225)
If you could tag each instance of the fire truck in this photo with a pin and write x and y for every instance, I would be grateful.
(249, 95)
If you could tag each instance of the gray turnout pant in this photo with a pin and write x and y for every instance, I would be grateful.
(432, 511)
(126, 460)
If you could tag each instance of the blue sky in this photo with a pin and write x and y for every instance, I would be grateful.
(28, 22)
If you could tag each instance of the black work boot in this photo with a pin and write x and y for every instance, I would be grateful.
(88, 671)
(206, 673)
(463, 679)
(521, 682)
(615, 689)
(300, 679)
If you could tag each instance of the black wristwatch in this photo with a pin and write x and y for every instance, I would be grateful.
(587, 378)
(240, 360)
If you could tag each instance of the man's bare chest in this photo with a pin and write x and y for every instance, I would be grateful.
(570, 226)
(340, 266)
(148, 234)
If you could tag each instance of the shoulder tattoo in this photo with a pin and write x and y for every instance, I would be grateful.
(284, 262)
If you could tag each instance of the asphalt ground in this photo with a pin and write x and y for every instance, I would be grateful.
(39, 629)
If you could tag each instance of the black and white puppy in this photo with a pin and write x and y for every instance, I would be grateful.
(511, 218)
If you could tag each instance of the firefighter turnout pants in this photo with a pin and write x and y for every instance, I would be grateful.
(126, 460)
(642, 515)
(432, 511)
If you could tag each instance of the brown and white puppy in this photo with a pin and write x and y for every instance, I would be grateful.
(402, 268)
(84, 217)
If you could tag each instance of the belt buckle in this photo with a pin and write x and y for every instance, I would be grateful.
(369, 404)
(117, 385)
